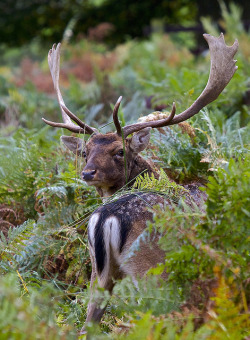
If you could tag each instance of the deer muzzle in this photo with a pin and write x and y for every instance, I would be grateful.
(88, 175)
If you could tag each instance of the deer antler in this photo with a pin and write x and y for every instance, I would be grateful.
(221, 72)
(115, 116)
(54, 65)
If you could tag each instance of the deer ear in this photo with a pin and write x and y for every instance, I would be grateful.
(140, 140)
(76, 145)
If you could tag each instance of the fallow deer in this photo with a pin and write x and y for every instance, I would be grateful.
(112, 160)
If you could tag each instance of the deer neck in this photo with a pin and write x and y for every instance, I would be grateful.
(140, 166)
(106, 192)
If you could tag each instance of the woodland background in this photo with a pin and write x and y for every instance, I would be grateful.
(152, 53)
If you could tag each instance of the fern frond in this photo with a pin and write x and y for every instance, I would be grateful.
(16, 239)
(57, 190)
(148, 294)
(162, 185)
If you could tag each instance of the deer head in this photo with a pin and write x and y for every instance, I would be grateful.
(113, 159)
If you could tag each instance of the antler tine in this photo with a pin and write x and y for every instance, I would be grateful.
(221, 72)
(54, 66)
(127, 130)
(115, 116)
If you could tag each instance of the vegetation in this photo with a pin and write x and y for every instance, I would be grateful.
(44, 204)
(101, 19)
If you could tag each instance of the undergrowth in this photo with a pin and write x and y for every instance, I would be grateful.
(44, 205)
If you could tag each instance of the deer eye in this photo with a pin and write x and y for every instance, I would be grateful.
(120, 153)
(84, 155)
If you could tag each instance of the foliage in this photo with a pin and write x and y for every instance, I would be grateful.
(41, 185)
(87, 17)
(99, 19)
(44, 205)
(186, 152)
(31, 312)
(162, 185)
(219, 235)
(38, 172)
(225, 321)
(16, 237)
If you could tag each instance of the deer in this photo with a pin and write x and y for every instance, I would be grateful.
(112, 161)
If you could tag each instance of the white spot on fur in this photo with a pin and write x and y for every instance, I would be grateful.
(111, 235)
(91, 227)
(115, 235)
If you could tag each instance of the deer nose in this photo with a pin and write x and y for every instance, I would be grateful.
(88, 175)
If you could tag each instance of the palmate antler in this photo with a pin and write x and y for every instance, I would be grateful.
(221, 72)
